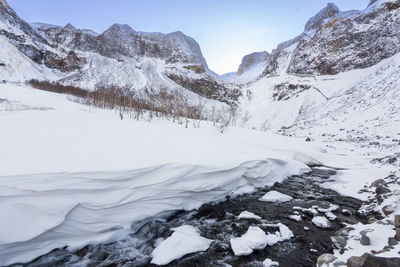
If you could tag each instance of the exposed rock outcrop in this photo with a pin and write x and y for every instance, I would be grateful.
(334, 41)
(250, 60)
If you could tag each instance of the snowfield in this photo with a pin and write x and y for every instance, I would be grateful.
(58, 156)
(58, 150)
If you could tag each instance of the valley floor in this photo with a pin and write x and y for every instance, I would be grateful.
(81, 175)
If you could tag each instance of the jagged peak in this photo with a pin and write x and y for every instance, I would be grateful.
(327, 12)
(69, 26)
(124, 29)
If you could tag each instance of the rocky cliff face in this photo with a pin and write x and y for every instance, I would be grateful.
(120, 57)
(334, 41)
(120, 41)
(32, 44)
(251, 60)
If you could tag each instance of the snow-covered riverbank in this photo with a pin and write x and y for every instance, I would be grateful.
(73, 172)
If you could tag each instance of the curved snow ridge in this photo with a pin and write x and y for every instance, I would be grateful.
(52, 210)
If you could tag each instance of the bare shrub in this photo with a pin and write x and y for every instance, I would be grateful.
(146, 104)
(163, 104)
(56, 87)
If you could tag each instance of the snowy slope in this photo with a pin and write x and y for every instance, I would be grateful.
(369, 90)
(250, 69)
(354, 113)
(16, 66)
(74, 153)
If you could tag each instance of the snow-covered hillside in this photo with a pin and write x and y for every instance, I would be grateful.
(119, 57)
(74, 152)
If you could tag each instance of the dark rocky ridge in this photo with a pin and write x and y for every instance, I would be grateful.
(120, 41)
(33, 45)
(335, 41)
(206, 87)
(345, 43)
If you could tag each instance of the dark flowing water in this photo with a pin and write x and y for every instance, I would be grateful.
(218, 221)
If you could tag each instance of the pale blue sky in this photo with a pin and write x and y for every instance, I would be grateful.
(226, 30)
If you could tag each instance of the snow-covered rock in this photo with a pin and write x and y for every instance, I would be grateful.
(248, 215)
(275, 196)
(270, 263)
(185, 240)
(296, 218)
(255, 238)
(321, 222)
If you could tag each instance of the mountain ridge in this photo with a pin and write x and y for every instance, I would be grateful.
(118, 57)
(334, 41)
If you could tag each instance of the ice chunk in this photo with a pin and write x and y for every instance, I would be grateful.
(185, 239)
(275, 196)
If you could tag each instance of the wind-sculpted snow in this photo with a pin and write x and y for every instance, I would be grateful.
(65, 185)
(41, 212)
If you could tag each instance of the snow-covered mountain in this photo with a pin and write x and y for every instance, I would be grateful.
(38, 53)
(250, 69)
(251, 60)
(334, 41)
(336, 86)
(120, 57)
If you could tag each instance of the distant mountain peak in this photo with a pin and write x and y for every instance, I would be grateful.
(252, 59)
(316, 21)
(123, 29)
(69, 26)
